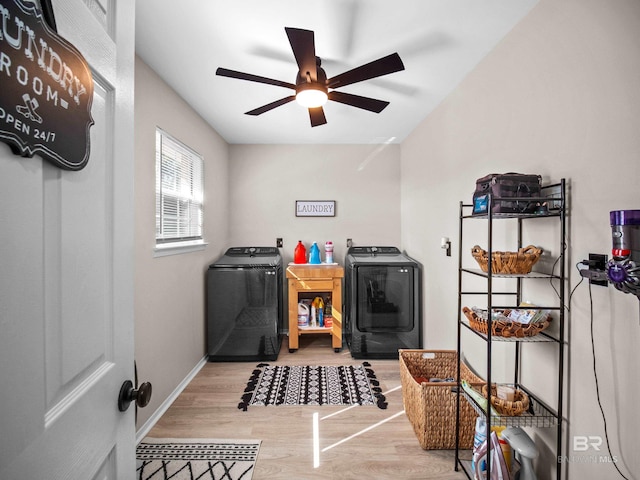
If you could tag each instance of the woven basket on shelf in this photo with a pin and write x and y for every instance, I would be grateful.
(431, 406)
(505, 407)
(502, 328)
(519, 262)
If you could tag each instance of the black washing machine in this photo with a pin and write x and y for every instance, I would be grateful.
(245, 305)
(383, 302)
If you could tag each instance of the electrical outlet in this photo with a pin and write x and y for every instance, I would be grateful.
(349, 243)
(598, 262)
(278, 242)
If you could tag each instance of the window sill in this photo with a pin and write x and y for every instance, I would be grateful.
(177, 248)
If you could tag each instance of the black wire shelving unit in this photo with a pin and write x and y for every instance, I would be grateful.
(540, 414)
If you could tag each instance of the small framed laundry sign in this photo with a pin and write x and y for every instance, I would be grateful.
(315, 208)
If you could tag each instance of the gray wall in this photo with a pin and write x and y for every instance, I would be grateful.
(558, 96)
(266, 180)
(169, 291)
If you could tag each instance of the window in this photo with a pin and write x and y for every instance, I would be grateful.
(179, 192)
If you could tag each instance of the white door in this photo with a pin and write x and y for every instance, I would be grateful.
(66, 278)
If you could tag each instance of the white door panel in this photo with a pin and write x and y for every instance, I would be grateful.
(21, 304)
(66, 286)
(77, 257)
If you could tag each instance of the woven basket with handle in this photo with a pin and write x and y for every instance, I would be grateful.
(519, 262)
(431, 406)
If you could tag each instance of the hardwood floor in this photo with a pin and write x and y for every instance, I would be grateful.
(361, 442)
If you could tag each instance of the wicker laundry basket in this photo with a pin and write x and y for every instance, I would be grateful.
(431, 406)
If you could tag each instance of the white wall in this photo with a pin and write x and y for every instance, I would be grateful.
(170, 291)
(558, 96)
(266, 180)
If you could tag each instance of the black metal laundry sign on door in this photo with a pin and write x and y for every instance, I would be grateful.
(46, 88)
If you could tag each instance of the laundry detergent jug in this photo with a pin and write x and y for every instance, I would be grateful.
(300, 253)
(314, 254)
(303, 314)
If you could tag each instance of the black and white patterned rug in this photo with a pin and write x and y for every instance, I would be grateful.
(195, 458)
(312, 385)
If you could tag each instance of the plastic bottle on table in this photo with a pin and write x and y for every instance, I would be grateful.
(328, 252)
(314, 254)
(300, 253)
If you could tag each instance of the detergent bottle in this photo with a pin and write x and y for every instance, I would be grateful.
(300, 253)
(317, 312)
(504, 445)
(479, 465)
(328, 313)
(314, 254)
(313, 314)
(320, 311)
(328, 252)
(303, 314)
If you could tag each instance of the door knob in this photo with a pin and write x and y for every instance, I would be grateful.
(128, 394)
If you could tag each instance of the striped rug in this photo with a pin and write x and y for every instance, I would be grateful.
(195, 458)
(312, 385)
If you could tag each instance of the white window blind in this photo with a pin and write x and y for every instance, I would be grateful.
(179, 191)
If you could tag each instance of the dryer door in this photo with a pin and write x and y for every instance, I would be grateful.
(385, 298)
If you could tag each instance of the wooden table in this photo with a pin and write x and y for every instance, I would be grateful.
(323, 278)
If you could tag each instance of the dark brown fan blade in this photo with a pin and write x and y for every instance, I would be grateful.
(303, 46)
(383, 66)
(365, 103)
(317, 116)
(270, 106)
(224, 72)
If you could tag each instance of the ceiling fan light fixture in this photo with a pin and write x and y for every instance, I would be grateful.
(312, 85)
(311, 95)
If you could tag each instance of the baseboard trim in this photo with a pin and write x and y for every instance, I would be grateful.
(153, 419)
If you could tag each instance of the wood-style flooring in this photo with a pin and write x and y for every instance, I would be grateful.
(361, 442)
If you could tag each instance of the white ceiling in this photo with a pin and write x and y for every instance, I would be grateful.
(439, 41)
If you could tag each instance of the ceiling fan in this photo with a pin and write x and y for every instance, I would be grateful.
(312, 86)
